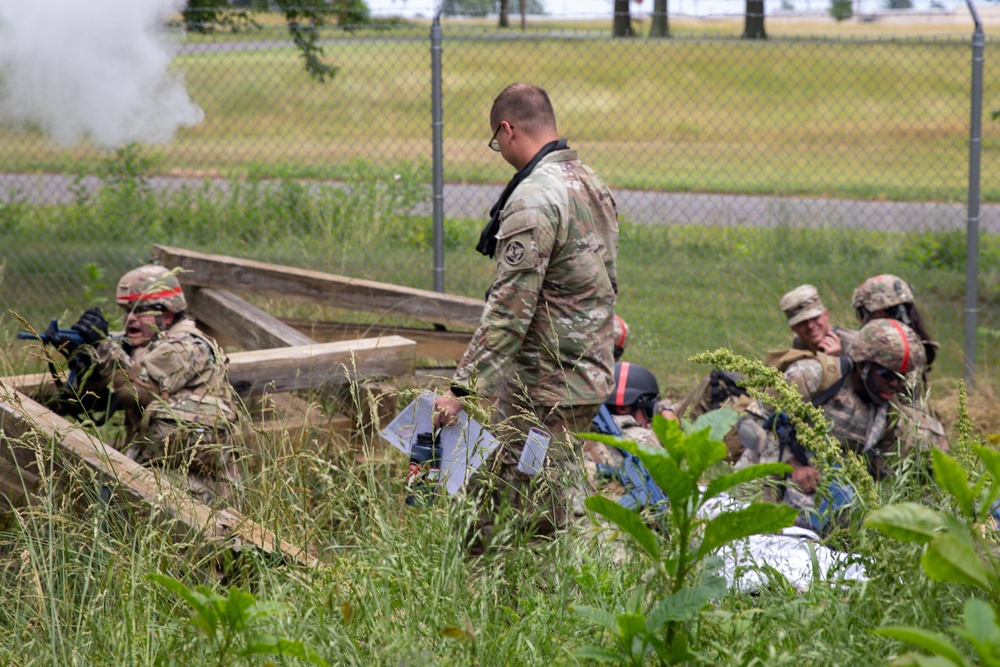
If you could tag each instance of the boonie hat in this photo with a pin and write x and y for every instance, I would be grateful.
(801, 304)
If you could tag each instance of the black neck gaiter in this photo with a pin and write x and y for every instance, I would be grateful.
(488, 238)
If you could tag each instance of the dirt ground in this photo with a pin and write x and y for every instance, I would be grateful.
(982, 404)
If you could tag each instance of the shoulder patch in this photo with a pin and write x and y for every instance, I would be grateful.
(514, 252)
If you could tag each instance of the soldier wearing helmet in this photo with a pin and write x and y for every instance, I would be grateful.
(859, 406)
(170, 379)
(889, 296)
(621, 336)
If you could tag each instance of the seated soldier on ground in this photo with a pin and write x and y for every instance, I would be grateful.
(809, 319)
(858, 407)
(888, 296)
(170, 380)
(628, 412)
(891, 297)
(621, 336)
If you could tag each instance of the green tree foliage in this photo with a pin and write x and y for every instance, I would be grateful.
(841, 10)
(304, 19)
(899, 4)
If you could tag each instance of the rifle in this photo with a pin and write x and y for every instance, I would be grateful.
(71, 398)
(54, 335)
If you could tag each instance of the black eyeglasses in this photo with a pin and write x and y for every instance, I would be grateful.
(494, 144)
(887, 373)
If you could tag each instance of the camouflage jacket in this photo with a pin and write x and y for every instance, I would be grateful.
(181, 375)
(857, 424)
(546, 334)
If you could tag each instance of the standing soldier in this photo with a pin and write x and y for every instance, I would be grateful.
(170, 379)
(543, 353)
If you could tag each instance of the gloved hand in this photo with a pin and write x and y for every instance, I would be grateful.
(92, 326)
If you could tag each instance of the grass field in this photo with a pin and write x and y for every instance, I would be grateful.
(859, 118)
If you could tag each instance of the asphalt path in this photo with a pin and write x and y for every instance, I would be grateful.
(635, 206)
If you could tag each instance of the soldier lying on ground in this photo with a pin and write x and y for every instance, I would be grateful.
(170, 380)
(627, 413)
(860, 409)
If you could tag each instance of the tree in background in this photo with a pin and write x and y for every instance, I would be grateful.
(753, 26)
(622, 23)
(841, 10)
(899, 4)
(659, 26)
(304, 19)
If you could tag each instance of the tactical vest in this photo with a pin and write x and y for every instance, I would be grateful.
(207, 398)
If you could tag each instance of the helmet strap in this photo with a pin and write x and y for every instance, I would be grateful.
(872, 396)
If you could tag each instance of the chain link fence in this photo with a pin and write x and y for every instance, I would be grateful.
(741, 167)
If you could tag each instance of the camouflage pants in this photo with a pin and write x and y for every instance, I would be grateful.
(198, 459)
(542, 503)
(819, 514)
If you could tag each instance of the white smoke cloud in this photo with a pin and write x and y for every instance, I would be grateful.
(96, 68)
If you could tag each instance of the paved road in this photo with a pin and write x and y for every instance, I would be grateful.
(638, 207)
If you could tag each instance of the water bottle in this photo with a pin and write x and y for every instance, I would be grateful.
(425, 470)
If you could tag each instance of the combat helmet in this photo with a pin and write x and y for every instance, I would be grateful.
(891, 344)
(621, 336)
(151, 286)
(883, 292)
(635, 386)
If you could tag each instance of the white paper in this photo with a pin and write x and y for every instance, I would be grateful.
(465, 445)
(533, 455)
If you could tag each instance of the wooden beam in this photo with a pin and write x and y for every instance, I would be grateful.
(310, 366)
(431, 344)
(294, 368)
(233, 273)
(21, 418)
(246, 325)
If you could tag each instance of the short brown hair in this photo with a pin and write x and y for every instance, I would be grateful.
(524, 105)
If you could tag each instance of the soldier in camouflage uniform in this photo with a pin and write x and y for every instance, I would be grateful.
(809, 319)
(170, 379)
(890, 296)
(543, 353)
(860, 411)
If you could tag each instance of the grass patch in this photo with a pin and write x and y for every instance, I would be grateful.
(860, 118)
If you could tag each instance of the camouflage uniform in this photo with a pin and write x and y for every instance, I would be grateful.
(544, 348)
(596, 454)
(862, 426)
(178, 404)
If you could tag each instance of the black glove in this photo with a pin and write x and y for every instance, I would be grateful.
(92, 326)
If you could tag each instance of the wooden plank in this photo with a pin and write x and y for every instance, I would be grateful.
(310, 366)
(294, 368)
(244, 324)
(431, 344)
(233, 273)
(20, 417)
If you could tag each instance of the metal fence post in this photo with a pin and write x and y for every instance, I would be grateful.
(437, 124)
(972, 225)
